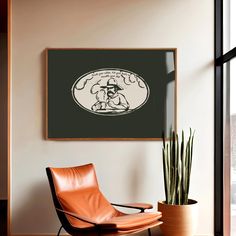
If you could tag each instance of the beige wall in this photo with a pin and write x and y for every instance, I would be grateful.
(127, 171)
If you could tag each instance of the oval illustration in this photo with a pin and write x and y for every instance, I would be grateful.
(110, 92)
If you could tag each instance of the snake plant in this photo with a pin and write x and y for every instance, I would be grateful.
(177, 162)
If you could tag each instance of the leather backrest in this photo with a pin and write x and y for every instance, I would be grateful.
(76, 190)
(74, 178)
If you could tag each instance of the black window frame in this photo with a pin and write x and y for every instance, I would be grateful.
(219, 59)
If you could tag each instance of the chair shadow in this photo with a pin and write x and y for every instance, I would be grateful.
(36, 212)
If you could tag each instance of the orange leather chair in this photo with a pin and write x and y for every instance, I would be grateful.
(83, 210)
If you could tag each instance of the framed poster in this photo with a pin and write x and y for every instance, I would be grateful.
(110, 94)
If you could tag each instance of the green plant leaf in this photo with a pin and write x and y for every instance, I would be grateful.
(177, 164)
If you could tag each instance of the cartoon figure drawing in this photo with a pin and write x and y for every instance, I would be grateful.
(110, 92)
(109, 99)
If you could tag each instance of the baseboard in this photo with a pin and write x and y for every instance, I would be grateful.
(38, 234)
(64, 234)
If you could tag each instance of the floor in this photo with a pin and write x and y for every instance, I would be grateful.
(3, 217)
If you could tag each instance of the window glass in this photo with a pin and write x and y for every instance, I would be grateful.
(226, 25)
(230, 147)
(232, 24)
(233, 143)
(229, 24)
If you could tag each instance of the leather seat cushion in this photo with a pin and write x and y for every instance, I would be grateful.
(132, 221)
(88, 203)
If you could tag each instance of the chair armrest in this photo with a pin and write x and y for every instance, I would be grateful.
(82, 218)
(140, 206)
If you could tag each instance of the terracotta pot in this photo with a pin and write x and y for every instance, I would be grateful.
(179, 220)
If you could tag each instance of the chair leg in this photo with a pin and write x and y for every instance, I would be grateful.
(59, 231)
(149, 232)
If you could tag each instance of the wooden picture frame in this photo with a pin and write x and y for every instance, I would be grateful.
(110, 94)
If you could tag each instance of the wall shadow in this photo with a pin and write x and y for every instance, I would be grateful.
(36, 206)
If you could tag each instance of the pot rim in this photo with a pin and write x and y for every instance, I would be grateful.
(190, 202)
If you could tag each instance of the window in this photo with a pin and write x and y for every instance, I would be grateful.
(225, 118)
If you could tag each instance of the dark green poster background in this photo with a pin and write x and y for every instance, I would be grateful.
(68, 120)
